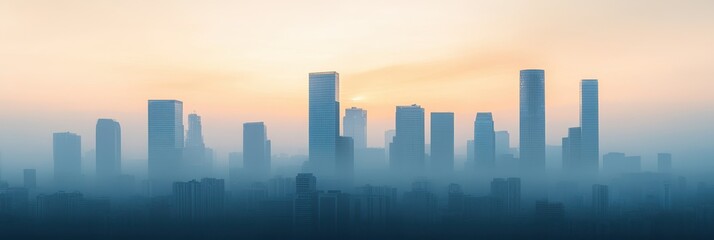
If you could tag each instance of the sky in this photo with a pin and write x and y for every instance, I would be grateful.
(63, 64)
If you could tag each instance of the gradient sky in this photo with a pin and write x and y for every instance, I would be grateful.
(63, 64)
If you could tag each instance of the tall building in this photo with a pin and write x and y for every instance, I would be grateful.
(256, 150)
(108, 149)
(407, 149)
(532, 119)
(484, 140)
(572, 149)
(194, 200)
(388, 138)
(166, 141)
(355, 126)
(601, 200)
(324, 121)
(503, 143)
(664, 162)
(590, 125)
(442, 142)
(345, 162)
(508, 195)
(29, 177)
(196, 159)
(67, 155)
(305, 204)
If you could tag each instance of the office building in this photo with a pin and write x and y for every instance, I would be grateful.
(407, 149)
(532, 119)
(590, 125)
(600, 200)
(324, 121)
(571, 155)
(355, 126)
(664, 162)
(442, 142)
(108, 150)
(256, 150)
(166, 142)
(485, 141)
(67, 155)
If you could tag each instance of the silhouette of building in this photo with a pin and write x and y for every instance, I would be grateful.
(618, 163)
(14, 203)
(324, 121)
(589, 125)
(67, 154)
(664, 162)
(372, 207)
(420, 204)
(407, 149)
(442, 142)
(601, 200)
(388, 139)
(166, 142)
(333, 212)
(202, 200)
(507, 193)
(108, 150)
(345, 162)
(305, 204)
(355, 126)
(29, 177)
(60, 206)
(572, 149)
(503, 143)
(256, 150)
(196, 156)
(532, 119)
(485, 141)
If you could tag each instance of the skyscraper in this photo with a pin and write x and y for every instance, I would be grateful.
(590, 126)
(572, 149)
(345, 164)
(67, 154)
(388, 138)
(165, 142)
(256, 150)
(503, 143)
(532, 119)
(108, 149)
(484, 140)
(442, 141)
(195, 162)
(664, 162)
(355, 126)
(407, 149)
(324, 121)
(305, 203)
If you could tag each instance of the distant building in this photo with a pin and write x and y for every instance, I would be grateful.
(67, 154)
(532, 119)
(442, 142)
(664, 162)
(407, 150)
(549, 211)
(508, 194)
(166, 142)
(14, 202)
(256, 150)
(503, 143)
(108, 150)
(485, 141)
(600, 200)
(333, 212)
(29, 177)
(420, 204)
(388, 138)
(324, 121)
(345, 162)
(618, 163)
(572, 150)
(195, 200)
(355, 126)
(305, 205)
(60, 206)
(590, 125)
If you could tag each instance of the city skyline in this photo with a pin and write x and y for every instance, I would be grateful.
(116, 83)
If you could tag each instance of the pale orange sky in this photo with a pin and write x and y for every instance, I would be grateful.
(63, 64)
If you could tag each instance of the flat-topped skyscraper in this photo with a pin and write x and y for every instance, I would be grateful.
(532, 119)
(67, 155)
(166, 139)
(324, 121)
(407, 150)
(589, 125)
(256, 150)
(442, 141)
(355, 126)
(108, 149)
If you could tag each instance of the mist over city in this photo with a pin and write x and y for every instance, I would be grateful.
(356, 120)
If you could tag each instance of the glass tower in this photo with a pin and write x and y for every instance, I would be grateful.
(589, 124)
(108, 149)
(484, 141)
(165, 141)
(256, 150)
(407, 149)
(355, 126)
(67, 155)
(442, 141)
(324, 121)
(532, 119)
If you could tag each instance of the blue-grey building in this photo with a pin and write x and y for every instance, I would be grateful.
(67, 155)
(256, 150)
(442, 141)
(484, 141)
(166, 141)
(355, 126)
(590, 125)
(108, 149)
(324, 121)
(532, 119)
(572, 150)
(407, 149)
